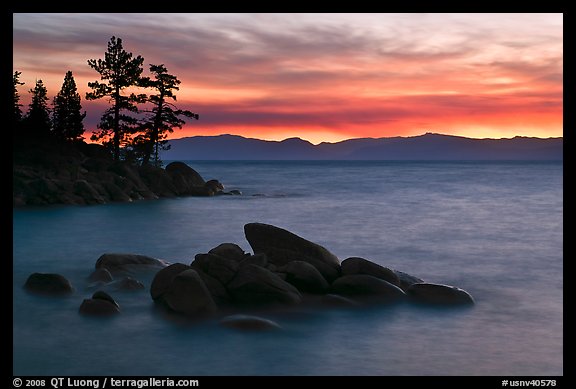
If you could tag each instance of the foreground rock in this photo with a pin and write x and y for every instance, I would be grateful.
(101, 304)
(407, 280)
(282, 246)
(249, 323)
(49, 284)
(119, 263)
(439, 294)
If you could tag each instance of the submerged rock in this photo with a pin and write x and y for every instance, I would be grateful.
(249, 323)
(282, 246)
(48, 283)
(129, 283)
(439, 294)
(102, 275)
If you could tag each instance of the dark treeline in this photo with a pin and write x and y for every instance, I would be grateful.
(133, 128)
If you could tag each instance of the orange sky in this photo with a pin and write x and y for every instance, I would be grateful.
(323, 77)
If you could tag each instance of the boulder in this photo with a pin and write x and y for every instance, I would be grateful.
(105, 296)
(187, 294)
(282, 246)
(229, 251)
(363, 285)
(406, 280)
(98, 307)
(102, 275)
(439, 294)
(304, 276)
(221, 268)
(48, 283)
(355, 265)
(118, 263)
(249, 323)
(214, 186)
(163, 279)
(254, 285)
(184, 178)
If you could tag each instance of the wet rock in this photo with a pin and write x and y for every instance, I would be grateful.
(282, 246)
(439, 294)
(363, 285)
(48, 283)
(304, 276)
(356, 265)
(104, 296)
(254, 285)
(185, 179)
(257, 259)
(249, 323)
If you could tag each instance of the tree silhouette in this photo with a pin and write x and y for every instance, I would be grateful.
(17, 113)
(164, 115)
(66, 115)
(37, 119)
(120, 71)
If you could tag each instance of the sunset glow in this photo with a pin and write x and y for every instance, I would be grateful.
(322, 77)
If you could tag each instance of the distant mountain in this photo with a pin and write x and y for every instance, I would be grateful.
(423, 147)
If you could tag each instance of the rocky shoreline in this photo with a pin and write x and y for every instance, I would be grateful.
(284, 271)
(81, 174)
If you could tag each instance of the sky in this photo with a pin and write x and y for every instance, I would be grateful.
(322, 77)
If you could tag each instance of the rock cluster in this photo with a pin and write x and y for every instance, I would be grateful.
(285, 270)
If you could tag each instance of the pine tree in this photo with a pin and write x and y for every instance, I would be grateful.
(17, 113)
(67, 113)
(120, 71)
(164, 115)
(37, 119)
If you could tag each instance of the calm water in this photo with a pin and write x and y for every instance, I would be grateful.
(494, 229)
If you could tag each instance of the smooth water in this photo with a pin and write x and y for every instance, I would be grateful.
(494, 229)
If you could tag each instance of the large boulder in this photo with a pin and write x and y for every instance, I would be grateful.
(221, 268)
(355, 265)
(282, 246)
(305, 277)
(163, 279)
(184, 178)
(48, 283)
(254, 285)
(216, 288)
(229, 251)
(118, 263)
(249, 323)
(363, 285)
(187, 294)
(439, 294)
